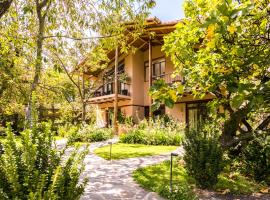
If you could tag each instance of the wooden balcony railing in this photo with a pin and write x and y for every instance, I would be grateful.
(169, 79)
(108, 88)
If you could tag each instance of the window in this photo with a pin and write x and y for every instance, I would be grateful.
(146, 112)
(158, 69)
(109, 75)
(196, 114)
(160, 111)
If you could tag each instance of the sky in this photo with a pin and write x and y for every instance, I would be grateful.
(168, 10)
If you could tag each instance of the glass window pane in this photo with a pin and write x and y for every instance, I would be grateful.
(156, 69)
(146, 73)
(193, 118)
(162, 67)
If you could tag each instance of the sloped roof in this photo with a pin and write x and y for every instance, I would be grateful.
(154, 30)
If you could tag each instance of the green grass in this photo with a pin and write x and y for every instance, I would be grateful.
(157, 177)
(122, 151)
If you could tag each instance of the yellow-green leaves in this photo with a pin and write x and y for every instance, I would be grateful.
(210, 31)
(222, 46)
(232, 29)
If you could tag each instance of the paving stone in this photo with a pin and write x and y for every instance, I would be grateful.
(112, 180)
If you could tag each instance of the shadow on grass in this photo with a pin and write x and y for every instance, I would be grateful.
(157, 177)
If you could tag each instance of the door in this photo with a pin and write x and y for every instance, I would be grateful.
(196, 113)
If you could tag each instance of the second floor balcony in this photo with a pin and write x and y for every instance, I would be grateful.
(106, 92)
(169, 79)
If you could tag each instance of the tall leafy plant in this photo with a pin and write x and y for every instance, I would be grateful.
(203, 156)
(32, 168)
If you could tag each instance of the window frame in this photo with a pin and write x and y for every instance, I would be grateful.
(200, 105)
(155, 61)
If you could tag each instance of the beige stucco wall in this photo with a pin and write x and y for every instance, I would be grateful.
(178, 112)
(134, 67)
(137, 81)
(156, 53)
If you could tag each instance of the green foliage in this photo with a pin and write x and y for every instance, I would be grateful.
(256, 159)
(222, 48)
(236, 183)
(67, 130)
(157, 178)
(90, 133)
(155, 133)
(203, 156)
(123, 151)
(32, 167)
(182, 192)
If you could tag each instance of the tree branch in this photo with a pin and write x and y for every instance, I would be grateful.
(68, 74)
(244, 121)
(4, 6)
(264, 124)
(75, 38)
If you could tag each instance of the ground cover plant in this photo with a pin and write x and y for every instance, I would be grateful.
(123, 151)
(32, 167)
(155, 132)
(157, 178)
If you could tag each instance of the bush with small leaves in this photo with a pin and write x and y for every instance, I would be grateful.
(32, 168)
(90, 133)
(256, 158)
(158, 132)
(203, 155)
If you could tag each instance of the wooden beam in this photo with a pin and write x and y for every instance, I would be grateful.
(115, 122)
(168, 28)
(150, 77)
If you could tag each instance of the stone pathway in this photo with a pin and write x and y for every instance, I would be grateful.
(113, 180)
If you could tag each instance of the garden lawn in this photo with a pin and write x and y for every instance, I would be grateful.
(157, 177)
(122, 151)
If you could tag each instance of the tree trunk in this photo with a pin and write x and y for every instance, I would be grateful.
(83, 98)
(38, 63)
(4, 6)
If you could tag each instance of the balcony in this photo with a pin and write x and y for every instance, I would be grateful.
(105, 93)
(169, 79)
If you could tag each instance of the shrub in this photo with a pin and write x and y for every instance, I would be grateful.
(183, 192)
(32, 168)
(157, 133)
(67, 130)
(203, 156)
(89, 133)
(256, 158)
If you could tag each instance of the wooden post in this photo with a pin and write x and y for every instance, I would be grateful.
(115, 123)
(150, 77)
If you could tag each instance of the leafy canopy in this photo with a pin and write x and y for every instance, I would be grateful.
(222, 47)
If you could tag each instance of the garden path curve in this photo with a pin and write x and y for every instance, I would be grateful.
(113, 180)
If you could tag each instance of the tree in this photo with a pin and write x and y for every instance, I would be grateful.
(223, 47)
(123, 21)
(34, 32)
(4, 6)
